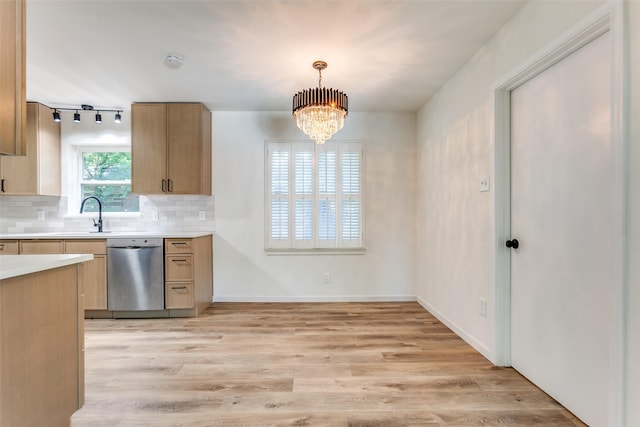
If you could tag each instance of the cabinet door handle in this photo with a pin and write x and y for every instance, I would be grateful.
(2, 185)
(170, 186)
(163, 186)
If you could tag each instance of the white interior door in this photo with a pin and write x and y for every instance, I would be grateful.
(561, 215)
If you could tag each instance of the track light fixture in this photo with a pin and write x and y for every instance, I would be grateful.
(83, 108)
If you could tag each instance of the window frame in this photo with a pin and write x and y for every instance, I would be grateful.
(76, 181)
(314, 245)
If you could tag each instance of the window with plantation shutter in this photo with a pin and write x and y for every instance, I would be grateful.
(314, 196)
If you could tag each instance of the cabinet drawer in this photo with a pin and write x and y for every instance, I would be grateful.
(9, 247)
(178, 246)
(178, 268)
(41, 247)
(85, 247)
(179, 295)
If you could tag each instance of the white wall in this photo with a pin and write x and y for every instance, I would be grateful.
(454, 137)
(633, 273)
(242, 269)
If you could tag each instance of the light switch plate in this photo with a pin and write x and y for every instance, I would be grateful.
(484, 183)
(202, 215)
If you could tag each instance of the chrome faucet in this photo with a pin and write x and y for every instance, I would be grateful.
(99, 223)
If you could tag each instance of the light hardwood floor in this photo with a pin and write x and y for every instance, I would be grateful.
(319, 364)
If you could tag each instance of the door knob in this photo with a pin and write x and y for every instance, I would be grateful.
(512, 243)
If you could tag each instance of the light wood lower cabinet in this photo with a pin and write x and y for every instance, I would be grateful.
(188, 271)
(188, 275)
(33, 247)
(9, 247)
(179, 295)
(41, 348)
(93, 275)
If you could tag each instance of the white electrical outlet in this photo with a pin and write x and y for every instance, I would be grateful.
(154, 215)
(483, 307)
(484, 183)
(202, 215)
(40, 214)
(326, 278)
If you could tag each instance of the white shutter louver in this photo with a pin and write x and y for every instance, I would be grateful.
(350, 159)
(303, 195)
(278, 236)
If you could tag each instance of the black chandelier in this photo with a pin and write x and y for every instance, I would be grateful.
(87, 108)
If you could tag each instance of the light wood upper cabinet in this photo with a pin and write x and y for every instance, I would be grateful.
(12, 77)
(148, 148)
(37, 173)
(170, 148)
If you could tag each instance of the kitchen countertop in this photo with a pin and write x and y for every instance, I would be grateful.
(19, 265)
(106, 235)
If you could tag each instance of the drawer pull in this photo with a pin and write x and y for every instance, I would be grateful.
(179, 243)
(179, 260)
(181, 288)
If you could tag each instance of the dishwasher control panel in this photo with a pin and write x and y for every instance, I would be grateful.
(133, 242)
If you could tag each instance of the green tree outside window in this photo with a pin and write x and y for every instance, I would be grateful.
(107, 175)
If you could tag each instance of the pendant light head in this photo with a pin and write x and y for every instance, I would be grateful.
(76, 117)
(320, 112)
(56, 116)
(98, 117)
(118, 118)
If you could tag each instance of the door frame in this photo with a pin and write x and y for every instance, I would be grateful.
(609, 17)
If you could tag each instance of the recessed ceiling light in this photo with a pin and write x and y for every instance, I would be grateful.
(173, 60)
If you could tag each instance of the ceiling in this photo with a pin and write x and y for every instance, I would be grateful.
(241, 55)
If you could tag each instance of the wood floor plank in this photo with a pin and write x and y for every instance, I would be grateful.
(284, 364)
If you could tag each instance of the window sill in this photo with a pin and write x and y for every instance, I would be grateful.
(319, 251)
(104, 215)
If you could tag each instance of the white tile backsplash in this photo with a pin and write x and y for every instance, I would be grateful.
(19, 214)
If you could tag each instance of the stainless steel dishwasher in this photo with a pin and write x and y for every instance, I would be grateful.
(135, 274)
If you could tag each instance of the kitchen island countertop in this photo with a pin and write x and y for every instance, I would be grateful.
(19, 265)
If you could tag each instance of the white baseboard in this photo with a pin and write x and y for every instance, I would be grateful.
(469, 339)
(324, 298)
